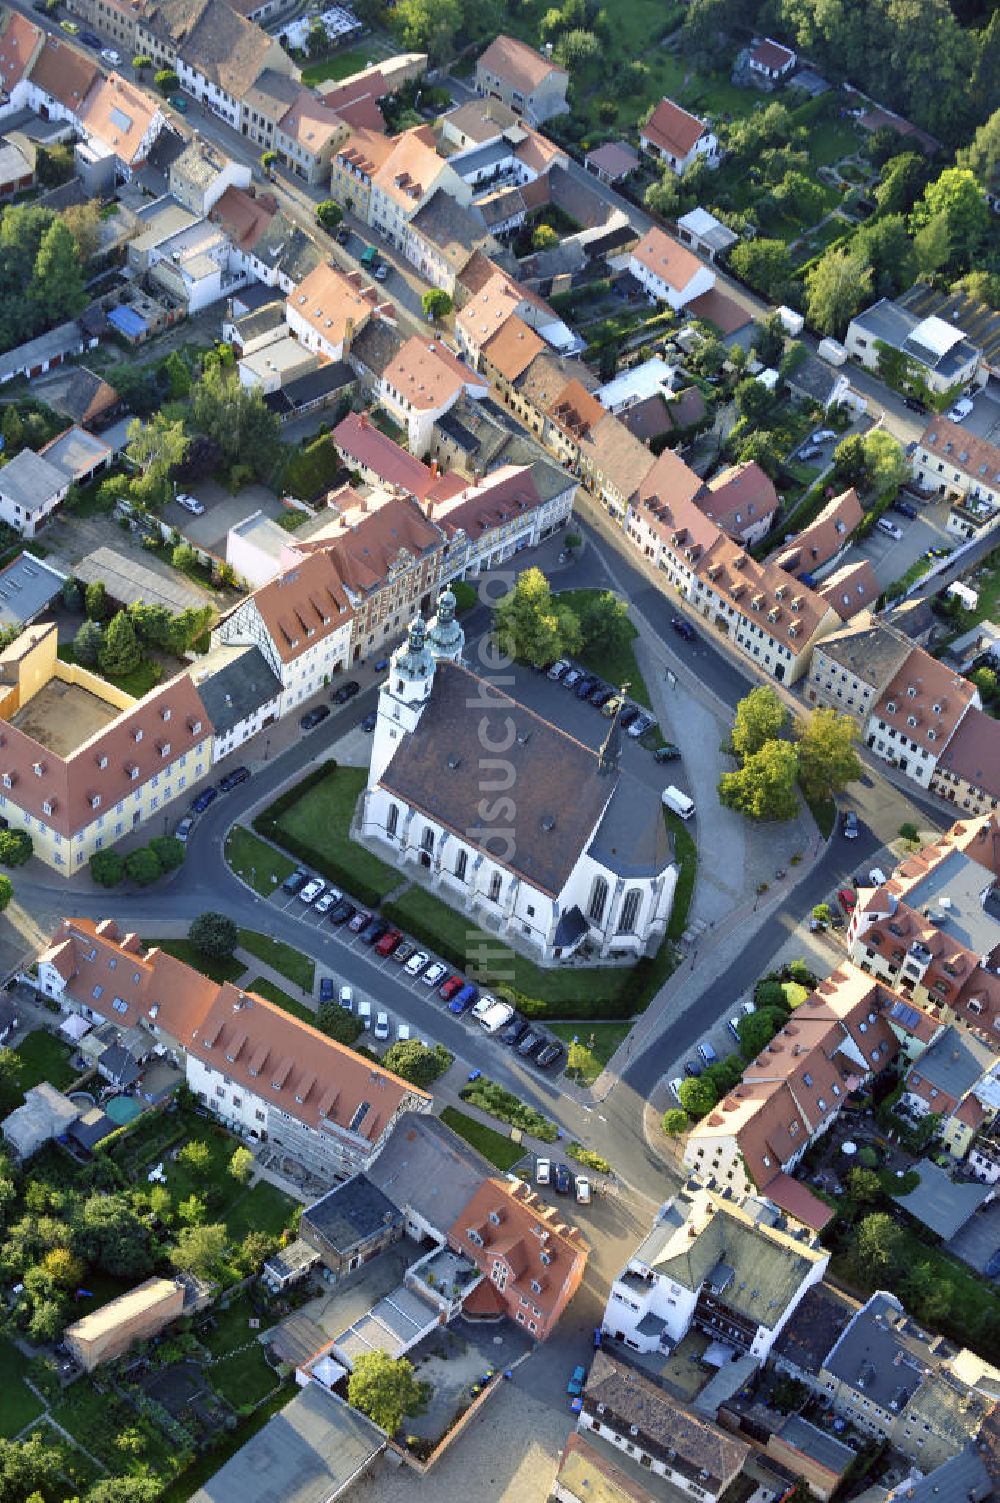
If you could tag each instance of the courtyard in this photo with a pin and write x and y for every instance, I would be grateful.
(62, 716)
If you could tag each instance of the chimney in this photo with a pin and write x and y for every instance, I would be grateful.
(434, 469)
(348, 338)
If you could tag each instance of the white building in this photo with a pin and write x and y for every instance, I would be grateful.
(952, 462)
(579, 853)
(678, 139)
(423, 382)
(731, 1268)
(937, 351)
(668, 271)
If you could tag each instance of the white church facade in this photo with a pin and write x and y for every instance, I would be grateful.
(535, 836)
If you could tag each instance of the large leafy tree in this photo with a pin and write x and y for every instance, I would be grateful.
(827, 758)
(235, 417)
(872, 461)
(155, 447)
(427, 25)
(385, 1389)
(901, 181)
(214, 935)
(605, 624)
(531, 625)
(760, 716)
(57, 282)
(698, 1096)
(765, 265)
(764, 787)
(120, 652)
(416, 1062)
(758, 1029)
(836, 288)
(200, 1249)
(110, 1234)
(878, 1244)
(957, 198)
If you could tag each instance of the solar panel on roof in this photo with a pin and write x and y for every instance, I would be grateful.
(905, 1014)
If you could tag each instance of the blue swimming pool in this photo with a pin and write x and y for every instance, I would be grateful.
(122, 1109)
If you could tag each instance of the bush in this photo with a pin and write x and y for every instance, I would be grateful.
(339, 1024)
(169, 851)
(142, 867)
(214, 935)
(310, 471)
(416, 1062)
(16, 847)
(166, 81)
(507, 1107)
(588, 1158)
(675, 1122)
(698, 1096)
(909, 831)
(107, 868)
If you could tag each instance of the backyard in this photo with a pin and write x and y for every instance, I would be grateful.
(19, 1405)
(41, 1056)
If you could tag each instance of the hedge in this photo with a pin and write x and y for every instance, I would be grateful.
(267, 824)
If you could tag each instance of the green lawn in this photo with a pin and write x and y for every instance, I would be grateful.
(218, 970)
(829, 140)
(138, 683)
(42, 1056)
(96, 1420)
(824, 812)
(320, 821)
(686, 853)
(614, 667)
(598, 1040)
(494, 1146)
(338, 65)
(19, 1405)
(274, 994)
(256, 861)
(497, 1101)
(281, 957)
(245, 1377)
(263, 1208)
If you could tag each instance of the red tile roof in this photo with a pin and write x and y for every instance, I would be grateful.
(18, 44)
(360, 442)
(518, 64)
(672, 129)
(303, 605)
(739, 498)
(667, 259)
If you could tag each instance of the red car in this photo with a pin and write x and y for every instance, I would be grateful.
(847, 898)
(388, 942)
(448, 988)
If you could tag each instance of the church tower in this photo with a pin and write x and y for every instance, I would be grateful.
(402, 697)
(445, 637)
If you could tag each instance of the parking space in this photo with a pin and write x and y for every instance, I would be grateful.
(223, 511)
(984, 419)
(891, 558)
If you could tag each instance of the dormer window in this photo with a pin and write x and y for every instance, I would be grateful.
(137, 734)
(8, 781)
(38, 768)
(195, 726)
(102, 760)
(132, 771)
(911, 720)
(95, 800)
(494, 1218)
(891, 707)
(936, 709)
(536, 1287)
(49, 807)
(165, 713)
(164, 748)
(474, 1236)
(911, 692)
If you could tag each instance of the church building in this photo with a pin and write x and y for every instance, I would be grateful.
(534, 835)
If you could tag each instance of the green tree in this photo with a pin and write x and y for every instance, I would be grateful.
(889, 250)
(47, 1320)
(57, 283)
(872, 461)
(932, 246)
(178, 376)
(16, 847)
(764, 787)
(166, 81)
(109, 1234)
(161, 1202)
(531, 625)
(72, 595)
(663, 196)
(986, 682)
(6, 892)
(151, 622)
(760, 717)
(800, 197)
(697, 1095)
(758, 1029)
(329, 214)
(577, 50)
(759, 448)
(155, 447)
(769, 339)
(427, 26)
(120, 653)
(196, 1157)
(416, 1062)
(959, 199)
(878, 1247)
(836, 288)
(184, 557)
(200, 1249)
(753, 400)
(982, 155)
(54, 164)
(928, 1293)
(141, 62)
(169, 852)
(605, 627)
(88, 644)
(436, 303)
(235, 417)
(827, 758)
(901, 181)
(241, 1165)
(63, 1267)
(543, 237)
(96, 601)
(675, 1122)
(822, 913)
(142, 867)
(385, 1389)
(909, 831)
(339, 1024)
(764, 265)
(864, 1186)
(192, 1211)
(982, 286)
(107, 868)
(13, 431)
(214, 935)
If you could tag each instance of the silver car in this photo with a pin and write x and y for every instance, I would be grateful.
(416, 963)
(434, 974)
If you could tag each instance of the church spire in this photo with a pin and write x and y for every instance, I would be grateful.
(610, 755)
(445, 637)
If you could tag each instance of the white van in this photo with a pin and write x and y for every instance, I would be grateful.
(889, 528)
(679, 802)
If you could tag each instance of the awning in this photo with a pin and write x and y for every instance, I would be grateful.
(74, 1026)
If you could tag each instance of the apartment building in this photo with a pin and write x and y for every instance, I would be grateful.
(83, 763)
(733, 1269)
(917, 714)
(352, 167)
(677, 138)
(20, 43)
(741, 500)
(490, 521)
(123, 121)
(949, 461)
(327, 309)
(668, 271)
(117, 19)
(827, 536)
(957, 1077)
(968, 770)
(533, 1261)
(406, 179)
(521, 78)
(61, 77)
(664, 1436)
(443, 236)
(936, 348)
(202, 174)
(421, 384)
(307, 136)
(302, 623)
(793, 1091)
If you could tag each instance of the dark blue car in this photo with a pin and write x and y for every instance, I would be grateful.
(326, 989)
(234, 778)
(206, 796)
(464, 999)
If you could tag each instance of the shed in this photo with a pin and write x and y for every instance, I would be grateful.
(46, 1114)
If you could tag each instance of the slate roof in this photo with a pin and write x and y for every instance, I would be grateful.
(426, 1166)
(233, 682)
(880, 1353)
(350, 1213)
(940, 1202)
(29, 481)
(814, 1326)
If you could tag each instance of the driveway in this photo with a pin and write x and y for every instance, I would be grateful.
(984, 419)
(223, 511)
(891, 559)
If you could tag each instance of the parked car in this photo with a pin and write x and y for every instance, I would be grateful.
(807, 452)
(692, 1067)
(572, 678)
(179, 103)
(514, 1031)
(382, 1025)
(295, 881)
(233, 778)
(707, 1053)
(683, 628)
(611, 706)
(562, 1180)
(381, 664)
(403, 1033)
(914, 404)
(369, 722)
(485, 1003)
(91, 39)
(347, 691)
(346, 998)
(628, 717)
(586, 686)
(877, 877)
(550, 1055)
(463, 999)
(71, 28)
(343, 234)
(312, 890)
(342, 912)
(640, 726)
(362, 918)
(312, 718)
(434, 973)
(847, 898)
(543, 1171)
(190, 503)
(497, 1017)
(373, 930)
(559, 667)
(850, 824)
(326, 989)
(582, 1190)
(822, 436)
(387, 942)
(205, 797)
(416, 963)
(961, 410)
(576, 1382)
(905, 508)
(733, 1025)
(184, 829)
(530, 1043)
(381, 272)
(403, 951)
(365, 1014)
(668, 752)
(675, 1088)
(599, 697)
(450, 988)
(323, 904)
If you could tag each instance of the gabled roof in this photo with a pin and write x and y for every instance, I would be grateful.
(825, 536)
(64, 73)
(672, 129)
(428, 375)
(518, 65)
(768, 54)
(512, 1225)
(18, 42)
(410, 169)
(739, 497)
(357, 103)
(786, 610)
(333, 303)
(357, 439)
(973, 752)
(215, 41)
(244, 218)
(120, 116)
(367, 548)
(303, 605)
(931, 695)
(972, 456)
(851, 589)
(618, 458)
(364, 151)
(512, 348)
(667, 259)
(310, 123)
